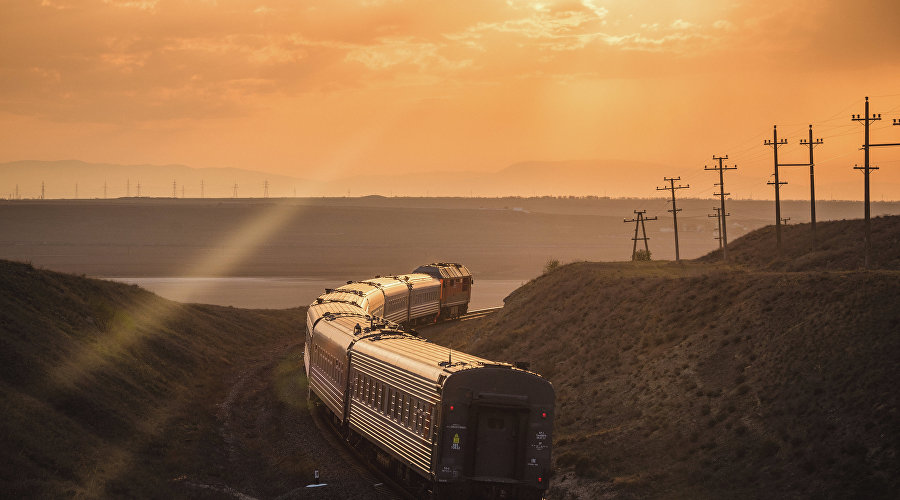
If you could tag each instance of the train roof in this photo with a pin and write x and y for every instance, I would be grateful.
(420, 356)
(444, 270)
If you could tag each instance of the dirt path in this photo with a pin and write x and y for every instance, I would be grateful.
(269, 444)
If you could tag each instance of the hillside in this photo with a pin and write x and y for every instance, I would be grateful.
(699, 381)
(109, 391)
(839, 245)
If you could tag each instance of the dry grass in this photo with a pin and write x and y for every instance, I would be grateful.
(107, 390)
(697, 381)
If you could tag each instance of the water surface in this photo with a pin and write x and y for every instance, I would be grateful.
(282, 293)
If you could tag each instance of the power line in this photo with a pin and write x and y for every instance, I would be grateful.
(639, 223)
(812, 183)
(723, 234)
(775, 143)
(719, 219)
(866, 168)
(672, 187)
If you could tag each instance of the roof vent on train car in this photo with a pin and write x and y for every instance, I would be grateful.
(522, 365)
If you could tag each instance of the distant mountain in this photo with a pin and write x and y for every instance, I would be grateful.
(61, 179)
(614, 178)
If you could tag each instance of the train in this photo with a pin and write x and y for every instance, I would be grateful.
(444, 423)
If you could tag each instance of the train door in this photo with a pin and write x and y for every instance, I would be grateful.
(499, 434)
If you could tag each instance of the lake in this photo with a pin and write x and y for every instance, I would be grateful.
(282, 293)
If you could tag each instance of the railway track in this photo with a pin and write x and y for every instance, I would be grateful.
(480, 313)
(383, 487)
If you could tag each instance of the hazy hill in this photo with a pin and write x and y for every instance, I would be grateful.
(507, 238)
(109, 391)
(61, 177)
(702, 381)
(595, 177)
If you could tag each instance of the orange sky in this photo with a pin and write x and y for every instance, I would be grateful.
(324, 89)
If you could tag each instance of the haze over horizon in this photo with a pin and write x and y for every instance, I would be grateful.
(337, 90)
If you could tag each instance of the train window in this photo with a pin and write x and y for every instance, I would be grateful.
(429, 410)
(418, 425)
(407, 409)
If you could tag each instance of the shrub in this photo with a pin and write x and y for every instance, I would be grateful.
(551, 265)
(643, 255)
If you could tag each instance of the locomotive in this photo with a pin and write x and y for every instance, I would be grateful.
(445, 423)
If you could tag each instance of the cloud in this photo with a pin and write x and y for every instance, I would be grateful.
(681, 24)
(149, 5)
(392, 52)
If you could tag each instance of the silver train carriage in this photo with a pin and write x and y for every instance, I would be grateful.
(456, 425)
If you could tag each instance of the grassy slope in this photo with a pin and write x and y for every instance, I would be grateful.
(698, 380)
(109, 390)
(840, 245)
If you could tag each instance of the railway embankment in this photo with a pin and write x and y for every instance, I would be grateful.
(108, 391)
(700, 380)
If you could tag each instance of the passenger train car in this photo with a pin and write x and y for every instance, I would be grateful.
(447, 424)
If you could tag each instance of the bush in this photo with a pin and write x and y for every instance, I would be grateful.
(551, 265)
(643, 255)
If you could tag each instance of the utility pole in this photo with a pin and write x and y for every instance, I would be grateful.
(104, 189)
(266, 189)
(201, 188)
(128, 188)
(867, 119)
(76, 190)
(723, 234)
(718, 216)
(139, 189)
(42, 190)
(812, 183)
(235, 190)
(777, 183)
(785, 220)
(174, 192)
(17, 192)
(672, 187)
(182, 191)
(639, 223)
